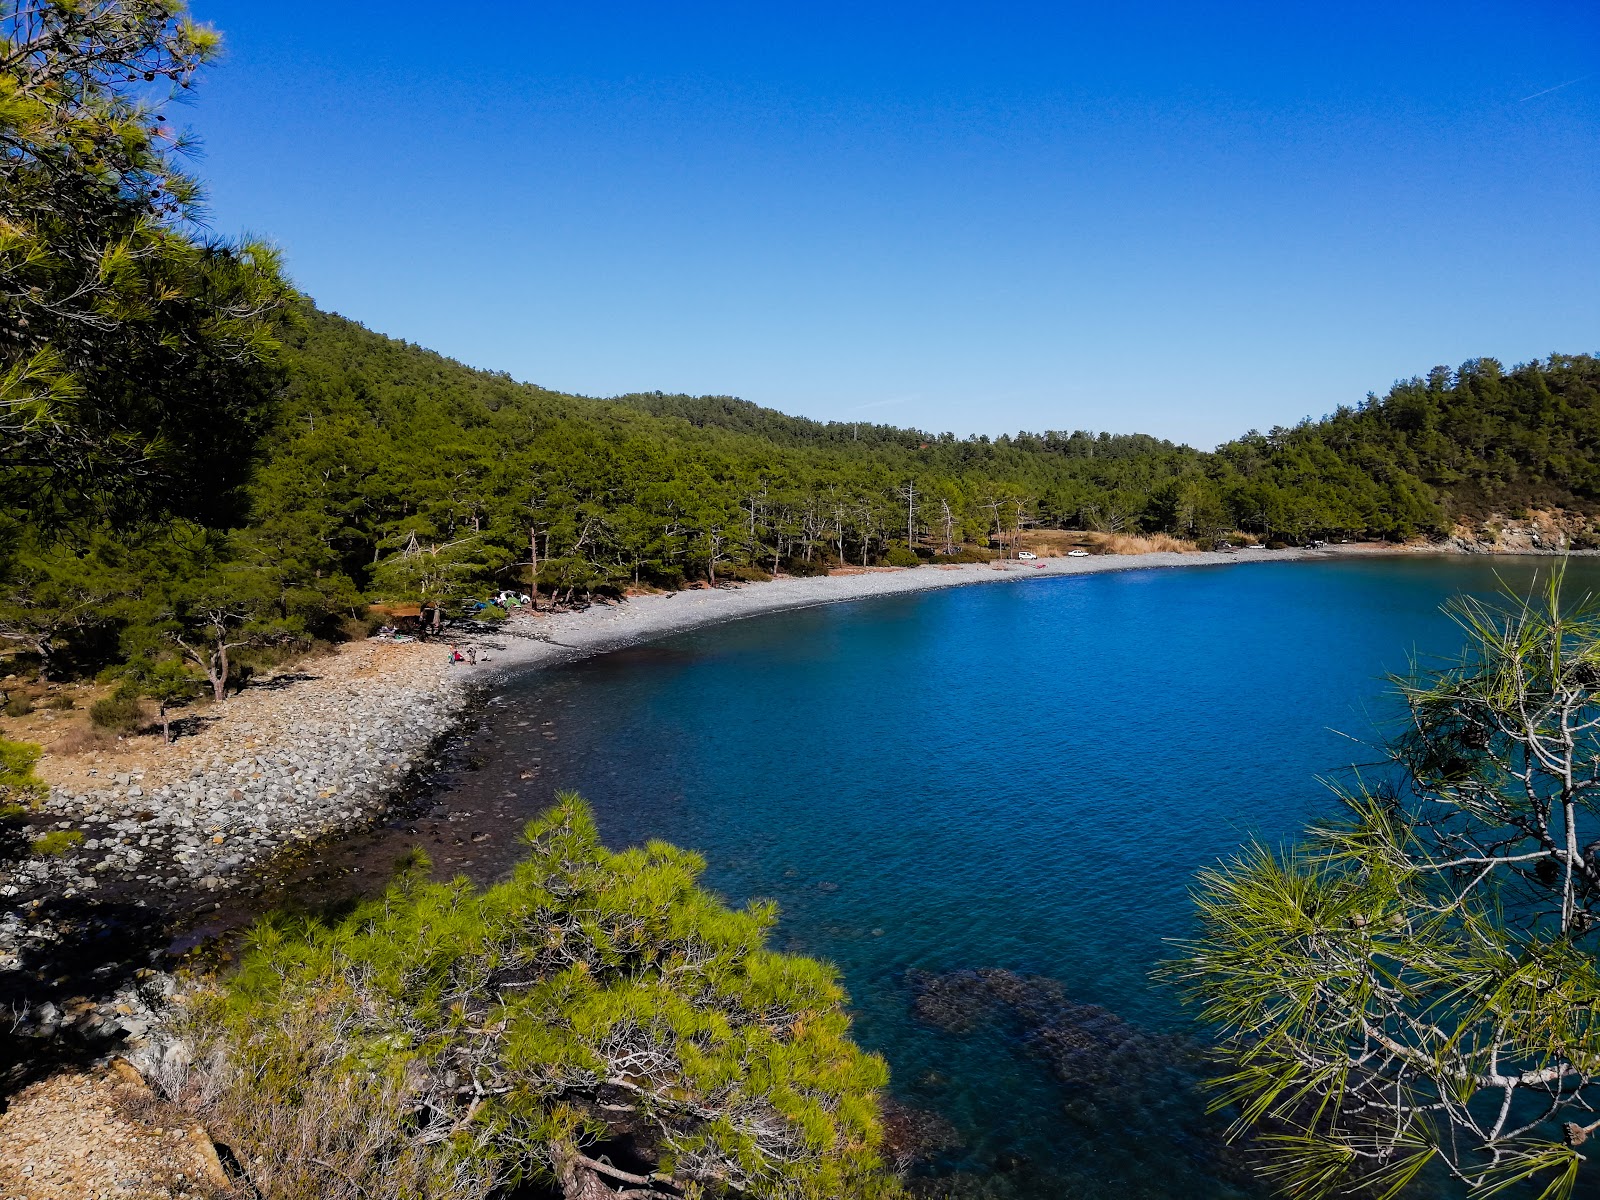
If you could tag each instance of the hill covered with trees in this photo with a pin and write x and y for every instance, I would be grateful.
(378, 470)
(650, 488)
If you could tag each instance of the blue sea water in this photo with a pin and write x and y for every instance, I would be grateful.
(1015, 776)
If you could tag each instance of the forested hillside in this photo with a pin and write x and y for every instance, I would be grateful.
(387, 472)
(663, 488)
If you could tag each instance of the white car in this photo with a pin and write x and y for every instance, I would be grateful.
(1077, 554)
(1027, 556)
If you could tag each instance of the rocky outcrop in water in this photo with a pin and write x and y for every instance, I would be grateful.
(1084, 1044)
(1122, 1084)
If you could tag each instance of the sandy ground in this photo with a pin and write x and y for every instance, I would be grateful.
(244, 724)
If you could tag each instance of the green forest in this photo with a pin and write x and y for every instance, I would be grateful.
(199, 463)
(350, 467)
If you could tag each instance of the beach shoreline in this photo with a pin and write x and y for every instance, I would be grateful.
(299, 764)
(325, 747)
(533, 642)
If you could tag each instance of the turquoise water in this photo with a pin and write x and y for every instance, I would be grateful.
(1013, 776)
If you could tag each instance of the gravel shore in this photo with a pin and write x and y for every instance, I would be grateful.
(326, 748)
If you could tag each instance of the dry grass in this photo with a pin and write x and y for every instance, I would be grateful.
(1053, 543)
(313, 1130)
(1154, 543)
(82, 738)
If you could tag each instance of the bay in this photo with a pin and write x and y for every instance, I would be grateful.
(1020, 778)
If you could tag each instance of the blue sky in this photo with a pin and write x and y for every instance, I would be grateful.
(1181, 219)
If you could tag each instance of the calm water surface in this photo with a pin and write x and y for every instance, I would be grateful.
(1022, 777)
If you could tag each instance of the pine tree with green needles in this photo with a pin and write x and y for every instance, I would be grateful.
(1413, 991)
(598, 1022)
(133, 350)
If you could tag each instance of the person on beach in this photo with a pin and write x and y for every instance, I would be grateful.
(455, 655)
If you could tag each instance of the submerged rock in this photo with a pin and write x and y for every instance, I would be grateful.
(1123, 1084)
(915, 1135)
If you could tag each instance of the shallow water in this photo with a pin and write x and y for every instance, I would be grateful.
(1018, 776)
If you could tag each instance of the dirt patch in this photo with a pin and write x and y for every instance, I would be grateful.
(1054, 543)
(86, 1136)
(270, 703)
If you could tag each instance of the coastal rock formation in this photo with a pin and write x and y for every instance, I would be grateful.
(1084, 1044)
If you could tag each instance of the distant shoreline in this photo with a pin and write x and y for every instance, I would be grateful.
(540, 640)
(531, 642)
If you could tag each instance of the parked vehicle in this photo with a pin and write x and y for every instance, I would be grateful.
(1077, 554)
(1027, 556)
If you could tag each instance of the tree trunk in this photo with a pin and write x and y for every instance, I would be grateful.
(577, 1182)
(583, 1178)
(166, 725)
(217, 673)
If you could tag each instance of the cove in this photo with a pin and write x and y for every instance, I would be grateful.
(1015, 778)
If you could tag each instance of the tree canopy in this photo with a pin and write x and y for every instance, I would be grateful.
(1414, 988)
(131, 345)
(596, 1021)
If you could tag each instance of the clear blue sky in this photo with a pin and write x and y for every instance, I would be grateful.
(1185, 219)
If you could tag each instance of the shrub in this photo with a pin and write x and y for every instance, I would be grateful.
(356, 629)
(61, 702)
(902, 556)
(801, 569)
(593, 996)
(119, 713)
(967, 554)
(19, 705)
(249, 661)
(742, 572)
(82, 739)
(670, 578)
(57, 842)
(18, 783)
